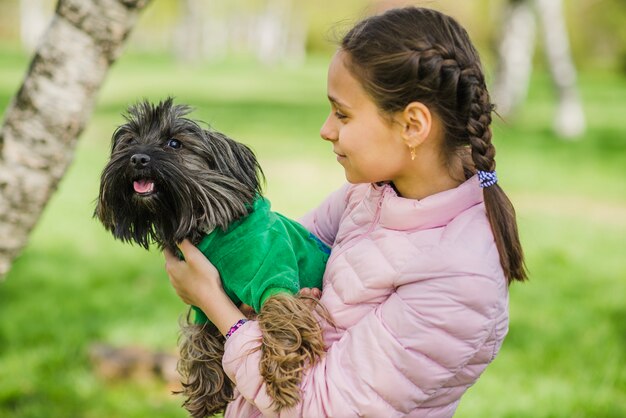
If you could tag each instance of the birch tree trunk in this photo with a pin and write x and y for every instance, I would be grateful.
(515, 56)
(515, 51)
(33, 20)
(190, 34)
(51, 108)
(569, 121)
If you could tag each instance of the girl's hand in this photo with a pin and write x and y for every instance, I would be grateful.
(311, 292)
(197, 282)
(248, 311)
(194, 278)
(310, 296)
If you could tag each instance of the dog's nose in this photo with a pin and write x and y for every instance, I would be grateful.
(140, 160)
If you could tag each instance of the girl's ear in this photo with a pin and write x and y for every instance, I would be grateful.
(417, 121)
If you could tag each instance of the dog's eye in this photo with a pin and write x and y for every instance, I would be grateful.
(174, 143)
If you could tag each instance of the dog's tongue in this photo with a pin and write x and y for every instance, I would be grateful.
(143, 186)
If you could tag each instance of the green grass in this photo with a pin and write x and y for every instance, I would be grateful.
(74, 285)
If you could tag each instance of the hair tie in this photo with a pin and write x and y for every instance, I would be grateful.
(487, 178)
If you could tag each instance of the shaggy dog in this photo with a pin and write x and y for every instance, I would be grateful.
(169, 179)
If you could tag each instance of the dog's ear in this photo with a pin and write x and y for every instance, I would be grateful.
(238, 161)
(105, 214)
(122, 132)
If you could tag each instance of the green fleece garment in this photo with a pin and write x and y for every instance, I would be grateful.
(263, 254)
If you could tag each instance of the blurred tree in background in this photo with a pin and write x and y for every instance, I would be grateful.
(42, 124)
(515, 52)
(284, 30)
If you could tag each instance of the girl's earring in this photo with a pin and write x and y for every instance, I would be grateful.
(412, 153)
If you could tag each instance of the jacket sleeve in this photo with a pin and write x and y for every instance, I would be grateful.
(393, 359)
(270, 267)
(324, 220)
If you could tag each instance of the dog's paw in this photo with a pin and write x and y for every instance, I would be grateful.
(292, 341)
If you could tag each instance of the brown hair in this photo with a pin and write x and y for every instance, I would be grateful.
(421, 55)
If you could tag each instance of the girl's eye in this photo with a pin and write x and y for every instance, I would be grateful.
(340, 116)
(174, 143)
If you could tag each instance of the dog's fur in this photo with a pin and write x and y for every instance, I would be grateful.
(206, 183)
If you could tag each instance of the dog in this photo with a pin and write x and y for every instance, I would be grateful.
(169, 179)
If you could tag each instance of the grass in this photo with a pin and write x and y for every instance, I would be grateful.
(74, 285)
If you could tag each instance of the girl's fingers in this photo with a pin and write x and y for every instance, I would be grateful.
(188, 250)
(169, 256)
(195, 259)
(171, 260)
(311, 292)
(248, 311)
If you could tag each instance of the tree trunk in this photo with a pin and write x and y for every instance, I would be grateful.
(52, 107)
(515, 56)
(33, 21)
(569, 121)
(280, 33)
(515, 51)
(189, 38)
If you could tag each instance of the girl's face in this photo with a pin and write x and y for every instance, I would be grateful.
(369, 147)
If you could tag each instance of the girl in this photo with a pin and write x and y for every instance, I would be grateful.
(424, 241)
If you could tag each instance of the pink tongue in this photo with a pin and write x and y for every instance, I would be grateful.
(143, 186)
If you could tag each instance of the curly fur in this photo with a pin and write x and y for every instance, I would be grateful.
(207, 182)
(206, 387)
(292, 341)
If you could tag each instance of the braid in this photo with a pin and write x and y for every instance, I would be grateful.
(499, 208)
(479, 122)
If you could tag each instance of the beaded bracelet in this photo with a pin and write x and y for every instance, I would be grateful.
(235, 327)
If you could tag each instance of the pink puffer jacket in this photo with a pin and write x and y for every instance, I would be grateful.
(420, 303)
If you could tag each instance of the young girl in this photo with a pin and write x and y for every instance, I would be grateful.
(424, 240)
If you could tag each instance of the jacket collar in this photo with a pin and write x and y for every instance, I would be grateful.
(433, 211)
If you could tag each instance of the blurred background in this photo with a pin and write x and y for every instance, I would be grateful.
(256, 70)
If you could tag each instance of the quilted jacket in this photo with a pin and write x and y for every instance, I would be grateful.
(420, 305)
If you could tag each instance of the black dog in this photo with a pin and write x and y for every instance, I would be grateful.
(169, 179)
(154, 190)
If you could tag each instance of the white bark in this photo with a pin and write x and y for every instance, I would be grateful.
(271, 30)
(33, 22)
(515, 52)
(515, 55)
(51, 108)
(190, 34)
(569, 121)
(281, 33)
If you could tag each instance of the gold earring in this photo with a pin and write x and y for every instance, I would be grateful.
(412, 153)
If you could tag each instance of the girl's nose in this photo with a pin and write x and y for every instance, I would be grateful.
(328, 132)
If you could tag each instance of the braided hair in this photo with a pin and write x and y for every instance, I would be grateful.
(416, 54)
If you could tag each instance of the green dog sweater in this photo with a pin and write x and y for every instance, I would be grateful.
(262, 254)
